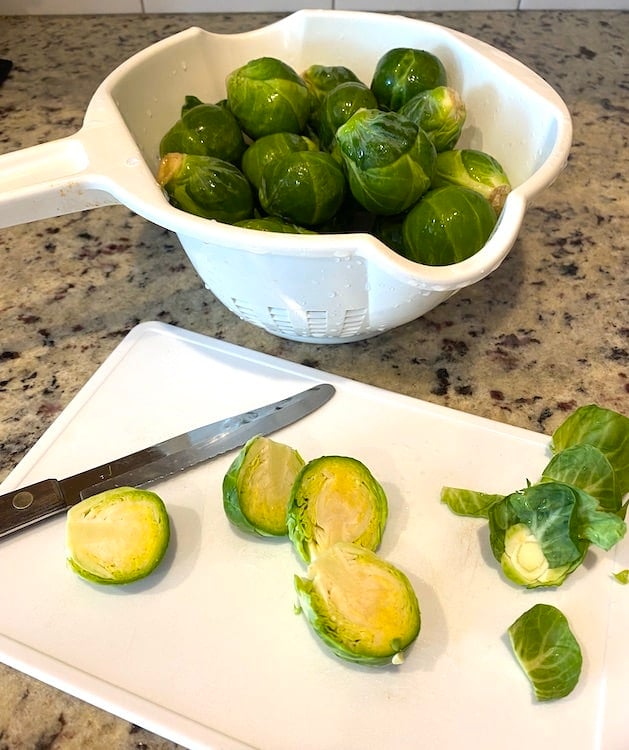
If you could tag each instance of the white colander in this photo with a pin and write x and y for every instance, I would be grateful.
(313, 288)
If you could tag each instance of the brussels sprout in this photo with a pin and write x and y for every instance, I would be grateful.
(257, 486)
(117, 536)
(363, 608)
(335, 499)
(304, 187)
(205, 130)
(270, 147)
(388, 229)
(403, 72)
(440, 113)
(547, 651)
(323, 78)
(206, 186)
(273, 224)
(189, 102)
(339, 105)
(447, 225)
(389, 161)
(267, 96)
(475, 170)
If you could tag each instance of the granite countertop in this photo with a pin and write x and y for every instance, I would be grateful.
(544, 333)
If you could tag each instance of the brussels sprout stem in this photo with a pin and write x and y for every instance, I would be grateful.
(169, 165)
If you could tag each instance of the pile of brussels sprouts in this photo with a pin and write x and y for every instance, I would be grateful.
(322, 151)
(334, 512)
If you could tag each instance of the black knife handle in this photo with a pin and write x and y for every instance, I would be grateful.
(29, 504)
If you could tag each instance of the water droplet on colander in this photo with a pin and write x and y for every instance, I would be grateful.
(184, 65)
(332, 295)
(149, 113)
(132, 161)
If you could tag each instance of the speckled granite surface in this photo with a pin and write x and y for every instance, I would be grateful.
(547, 331)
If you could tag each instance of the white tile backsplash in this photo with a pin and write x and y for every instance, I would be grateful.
(423, 5)
(71, 7)
(229, 6)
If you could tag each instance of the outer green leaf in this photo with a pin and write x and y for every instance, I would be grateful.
(606, 429)
(622, 576)
(547, 651)
(468, 502)
(599, 527)
(586, 467)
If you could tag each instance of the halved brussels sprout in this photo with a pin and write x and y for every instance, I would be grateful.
(389, 161)
(440, 113)
(339, 104)
(206, 186)
(403, 72)
(447, 225)
(547, 651)
(475, 170)
(268, 149)
(267, 96)
(257, 486)
(117, 536)
(206, 130)
(362, 607)
(303, 187)
(335, 499)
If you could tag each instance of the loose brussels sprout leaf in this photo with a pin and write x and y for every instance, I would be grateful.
(597, 526)
(267, 96)
(532, 537)
(547, 651)
(257, 486)
(363, 608)
(389, 161)
(205, 130)
(604, 428)
(206, 186)
(622, 576)
(468, 502)
(403, 72)
(268, 149)
(117, 536)
(273, 224)
(440, 113)
(303, 187)
(335, 499)
(447, 225)
(338, 105)
(584, 466)
(475, 170)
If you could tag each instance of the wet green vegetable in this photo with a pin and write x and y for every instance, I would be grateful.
(447, 225)
(440, 113)
(257, 486)
(335, 499)
(303, 187)
(339, 104)
(269, 148)
(389, 161)
(267, 96)
(273, 224)
(475, 170)
(547, 651)
(403, 72)
(363, 608)
(206, 186)
(117, 536)
(206, 130)
(323, 78)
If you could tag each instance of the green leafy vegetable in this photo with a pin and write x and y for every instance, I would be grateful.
(269, 148)
(622, 576)
(117, 536)
(403, 72)
(440, 113)
(335, 499)
(362, 607)
(468, 502)
(547, 651)
(339, 104)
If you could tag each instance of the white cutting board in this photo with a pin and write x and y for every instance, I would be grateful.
(209, 651)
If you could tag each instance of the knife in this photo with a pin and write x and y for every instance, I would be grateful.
(35, 502)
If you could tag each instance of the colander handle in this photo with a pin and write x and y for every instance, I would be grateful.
(58, 177)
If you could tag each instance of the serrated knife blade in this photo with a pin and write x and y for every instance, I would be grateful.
(35, 502)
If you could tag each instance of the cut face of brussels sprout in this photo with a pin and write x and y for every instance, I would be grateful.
(362, 607)
(303, 187)
(117, 536)
(475, 170)
(389, 161)
(257, 486)
(267, 96)
(334, 499)
(439, 112)
(547, 651)
(206, 130)
(206, 186)
(403, 72)
(447, 225)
